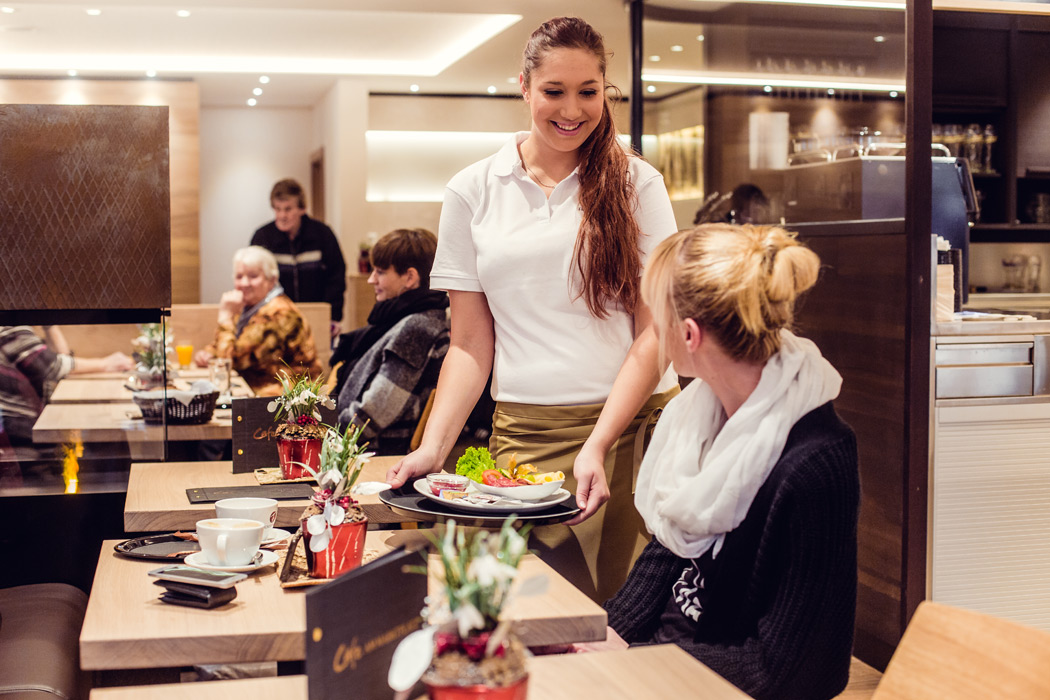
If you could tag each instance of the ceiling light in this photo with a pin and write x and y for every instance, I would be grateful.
(699, 37)
(767, 88)
(151, 73)
(257, 91)
(776, 81)
(513, 80)
(7, 10)
(264, 79)
(252, 101)
(183, 13)
(879, 39)
(413, 88)
(93, 12)
(491, 89)
(651, 88)
(831, 91)
(71, 73)
(678, 48)
(893, 93)
(654, 59)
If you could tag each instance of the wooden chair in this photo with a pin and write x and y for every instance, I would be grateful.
(952, 654)
(863, 679)
(417, 436)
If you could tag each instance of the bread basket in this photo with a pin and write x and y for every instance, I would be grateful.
(154, 404)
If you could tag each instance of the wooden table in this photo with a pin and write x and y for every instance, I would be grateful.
(126, 626)
(80, 389)
(643, 672)
(157, 502)
(116, 422)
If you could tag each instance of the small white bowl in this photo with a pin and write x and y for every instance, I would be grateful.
(532, 492)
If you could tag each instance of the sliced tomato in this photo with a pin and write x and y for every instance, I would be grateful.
(492, 477)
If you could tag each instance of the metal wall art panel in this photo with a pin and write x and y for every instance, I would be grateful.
(85, 218)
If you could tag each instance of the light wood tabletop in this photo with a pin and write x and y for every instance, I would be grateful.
(79, 389)
(157, 501)
(126, 626)
(120, 422)
(643, 672)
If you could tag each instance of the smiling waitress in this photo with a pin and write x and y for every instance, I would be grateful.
(541, 248)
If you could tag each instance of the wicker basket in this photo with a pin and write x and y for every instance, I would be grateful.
(199, 410)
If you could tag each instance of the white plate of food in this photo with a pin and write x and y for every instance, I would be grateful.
(472, 499)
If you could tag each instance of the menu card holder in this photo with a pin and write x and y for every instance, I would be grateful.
(254, 441)
(354, 624)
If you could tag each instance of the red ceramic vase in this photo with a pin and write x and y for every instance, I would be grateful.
(343, 553)
(515, 691)
(291, 454)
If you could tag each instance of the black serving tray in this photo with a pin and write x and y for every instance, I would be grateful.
(410, 503)
(156, 547)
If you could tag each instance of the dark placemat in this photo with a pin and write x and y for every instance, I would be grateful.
(157, 547)
(278, 492)
(408, 502)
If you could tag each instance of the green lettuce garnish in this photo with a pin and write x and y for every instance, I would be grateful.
(474, 462)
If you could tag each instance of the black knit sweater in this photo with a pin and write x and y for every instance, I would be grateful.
(777, 604)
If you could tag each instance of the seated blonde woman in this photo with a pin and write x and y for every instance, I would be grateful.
(260, 329)
(750, 486)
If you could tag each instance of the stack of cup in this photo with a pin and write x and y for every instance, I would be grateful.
(234, 536)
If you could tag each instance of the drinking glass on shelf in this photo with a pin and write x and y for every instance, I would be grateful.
(219, 369)
(973, 142)
(990, 137)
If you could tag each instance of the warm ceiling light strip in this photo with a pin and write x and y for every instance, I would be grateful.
(782, 81)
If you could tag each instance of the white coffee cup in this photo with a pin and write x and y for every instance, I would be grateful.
(229, 541)
(262, 509)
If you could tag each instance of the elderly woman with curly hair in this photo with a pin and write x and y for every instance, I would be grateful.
(260, 328)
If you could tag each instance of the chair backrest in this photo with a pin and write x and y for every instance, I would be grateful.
(948, 653)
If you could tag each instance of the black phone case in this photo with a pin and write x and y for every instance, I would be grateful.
(179, 593)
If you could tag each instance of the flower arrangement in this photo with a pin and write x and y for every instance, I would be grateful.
(297, 406)
(342, 459)
(472, 647)
(150, 349)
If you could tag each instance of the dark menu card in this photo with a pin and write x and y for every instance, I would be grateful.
(254, 442)
(354, 623)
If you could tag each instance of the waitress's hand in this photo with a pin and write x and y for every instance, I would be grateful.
(414, 465)
(592, 491)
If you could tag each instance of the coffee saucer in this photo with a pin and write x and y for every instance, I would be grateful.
(273, 535)
(200, 561)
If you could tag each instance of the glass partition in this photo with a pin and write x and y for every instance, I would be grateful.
(768, 112)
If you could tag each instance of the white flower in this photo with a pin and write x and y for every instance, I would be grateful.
(334, 514)
(330, 479)
(320, 533)
(487, 570)
(515, 544)
(272, 406)
(468, 618)
(327, 401)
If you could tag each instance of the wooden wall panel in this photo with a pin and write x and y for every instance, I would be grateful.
(855, 315)
(183, 101)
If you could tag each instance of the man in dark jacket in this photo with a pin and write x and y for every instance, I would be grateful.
(308, 254)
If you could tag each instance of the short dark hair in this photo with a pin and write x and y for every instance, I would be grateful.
(404, 248)
(288, 189)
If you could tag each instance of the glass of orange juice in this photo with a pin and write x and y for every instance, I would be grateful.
(185, 355)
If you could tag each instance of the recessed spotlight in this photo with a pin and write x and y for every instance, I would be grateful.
(512, 80)
(651, 88)
(151, 73)
(879, 39)
(831, 91)
(413, 88)
(264, 79)
(654, 59)
(7, 10)
(252, 101)
(678, 48)
(699, 37)
(491, 89)
(767, 88)
(893, 93)
(94, 12)
(71, 73)
(182, 13)
(257, 91)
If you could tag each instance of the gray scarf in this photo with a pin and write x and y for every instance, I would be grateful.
(247, 314)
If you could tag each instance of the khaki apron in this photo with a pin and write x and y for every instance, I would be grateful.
(597, 554)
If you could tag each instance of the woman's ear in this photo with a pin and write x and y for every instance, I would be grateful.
(521, 84)
(411, 277)
(692, 334)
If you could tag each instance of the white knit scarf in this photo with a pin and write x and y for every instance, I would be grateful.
(699, 476)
